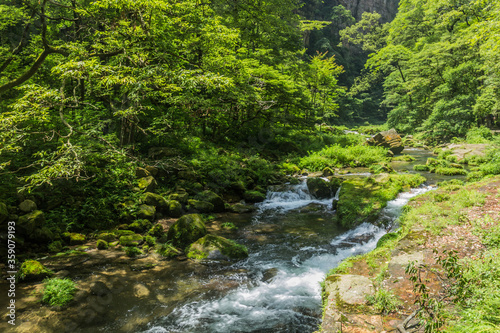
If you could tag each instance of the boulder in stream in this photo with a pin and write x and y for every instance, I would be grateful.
(213, 198)
(387, 139)
(323, 189)
(216, 247)
(188, 229)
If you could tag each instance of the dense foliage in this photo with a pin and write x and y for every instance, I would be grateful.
(439, 61)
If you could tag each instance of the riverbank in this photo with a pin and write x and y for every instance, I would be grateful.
(452, 237)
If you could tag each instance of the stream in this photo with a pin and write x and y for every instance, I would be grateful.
(292, 245)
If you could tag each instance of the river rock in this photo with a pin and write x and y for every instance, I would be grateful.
(387, 139)
(32, 270)
(180, 196)
(147, 184)
(201, 206)
(323, 189)
(74, 238)
(27, 206)
(240, 208)
(188, 229)
(140, 226)
(343, 293)
(174, 208)
(146, 212)
(131, 240)
(153, 199)
(213, 198)
(31, 221)
(216, 247)
(254, 196)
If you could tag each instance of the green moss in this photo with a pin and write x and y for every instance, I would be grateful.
(201, 206)
(102, 244)
(32, 270)
(107, 236)
(149, 240)
(156, 231)
(120, 233)
(58, 292)
(131, 240)
(361, 199)
(449, 171)
(212, 198)
(186, 230)
(389, 237)
(74, 238)
(132, 251)
(140, 226)
(404, 158)
(421, 167)
(205, 246)
(254, 196)
(168, 251)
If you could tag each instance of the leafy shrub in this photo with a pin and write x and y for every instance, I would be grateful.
(58, 292)
(479, 135)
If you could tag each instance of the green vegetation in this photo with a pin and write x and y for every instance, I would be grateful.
(361, 198)
(32, 270)
(384, 301)
(132, 251)
(206, 246)
(58, 292)
(338, 156)
(168, 251)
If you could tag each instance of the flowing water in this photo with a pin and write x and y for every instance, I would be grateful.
(292, 245)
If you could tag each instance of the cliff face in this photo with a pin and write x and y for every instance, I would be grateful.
(386, 8)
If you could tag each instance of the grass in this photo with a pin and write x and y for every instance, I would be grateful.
(58, 292)
(337, 156)
(384, 301)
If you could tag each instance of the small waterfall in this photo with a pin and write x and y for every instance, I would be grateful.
(283, 198)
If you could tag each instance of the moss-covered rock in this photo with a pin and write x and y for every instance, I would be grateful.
(73, 238)
(156, 231)
(32, 270)
(153, 199)
(146, 212)
(140, 226)
(120, 233)
(174, 208)
(188, 229)
(216, 247)
(213, 198)
(168, 251)
(106, 236)
(30, 222)
(254, 196)
(131, 240)
(201, 206)
(181, 197)
(328, 172)
(240, 208)
(102, 244)
(27, 206)
(147, 184)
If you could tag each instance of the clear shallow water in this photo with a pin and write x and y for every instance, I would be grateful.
(292, 244)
